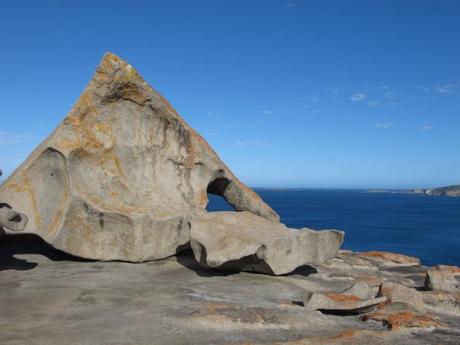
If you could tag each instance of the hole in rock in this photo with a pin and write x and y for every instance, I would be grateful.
(298, 303)
(17, 218)
(216, 199)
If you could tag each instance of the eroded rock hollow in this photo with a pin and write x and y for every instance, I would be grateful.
(123, 177)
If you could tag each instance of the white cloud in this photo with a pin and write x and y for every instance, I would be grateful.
(250, 143)
(291, 4)
(214, 113)
(10, 138)
(426, 127)
(241, 143)
(384, 125)
(358, 97)
(445, 89)
(424, 88)
(264, 110)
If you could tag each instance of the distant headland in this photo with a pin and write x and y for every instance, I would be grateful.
(442, 191)
(453, 190)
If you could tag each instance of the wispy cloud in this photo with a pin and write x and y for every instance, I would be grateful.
(291, 4)
(445, 89)
(426, 128)
(384, 124)
(311, 103)
(10, 138)
(358, 97)
(372, 103)
(265, 110)
(214, 113)
(424, 88)
(242, 143)
(210, 133)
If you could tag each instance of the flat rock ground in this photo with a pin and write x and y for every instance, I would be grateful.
(47, 297)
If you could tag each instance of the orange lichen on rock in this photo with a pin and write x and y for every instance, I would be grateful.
(392, 257)
(404, 319)
(349, 333)
(343, 298)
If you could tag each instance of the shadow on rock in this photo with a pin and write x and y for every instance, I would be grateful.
(304, 271)
(11, 245)
(187, 259)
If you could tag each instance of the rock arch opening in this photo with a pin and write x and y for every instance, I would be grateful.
(216, 196)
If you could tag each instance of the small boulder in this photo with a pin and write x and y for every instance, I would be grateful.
(441, 280)
(399, 293)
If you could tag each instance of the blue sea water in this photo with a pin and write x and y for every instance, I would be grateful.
(417, 225)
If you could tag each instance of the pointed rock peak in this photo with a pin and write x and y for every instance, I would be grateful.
(111, 57)
(112, 69)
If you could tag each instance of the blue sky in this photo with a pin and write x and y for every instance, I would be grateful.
(290, 93)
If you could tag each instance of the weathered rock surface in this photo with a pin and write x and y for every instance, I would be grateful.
(403, 319)
(123, 175)
(440, 299)
(390, 259)
(47, 298)
(340, 303)
(10, 219)
(439, 279)
(398, 293)
(244, 241)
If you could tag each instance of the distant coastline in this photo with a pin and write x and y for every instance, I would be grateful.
(453, 191)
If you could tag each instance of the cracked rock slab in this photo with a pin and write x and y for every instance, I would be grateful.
(244, 241)
(340, 302)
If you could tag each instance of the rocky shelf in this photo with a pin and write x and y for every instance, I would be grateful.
(48, 297)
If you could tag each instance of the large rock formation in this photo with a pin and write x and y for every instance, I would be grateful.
(123, 176)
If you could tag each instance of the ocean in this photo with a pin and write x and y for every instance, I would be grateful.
(427, 227)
